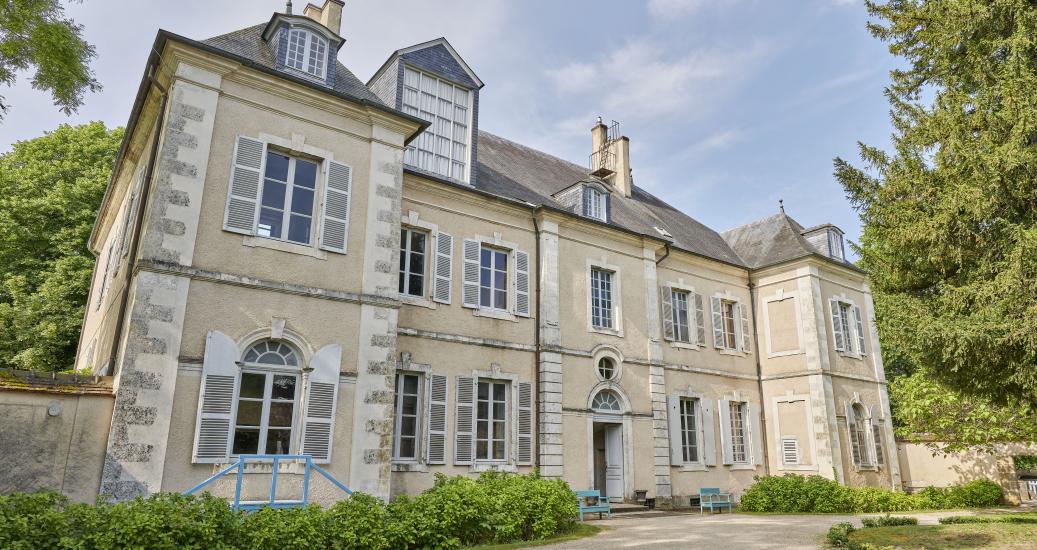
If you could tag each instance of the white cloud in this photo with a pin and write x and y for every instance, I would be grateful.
(714, 142)
(665, 10)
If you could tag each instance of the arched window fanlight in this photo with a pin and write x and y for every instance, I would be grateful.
(271, 353)
(606, 368)
(606, 401)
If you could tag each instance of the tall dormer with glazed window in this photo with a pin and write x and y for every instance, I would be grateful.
(306, 46)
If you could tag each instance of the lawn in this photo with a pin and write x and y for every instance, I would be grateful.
(582, 530)
(932, 537)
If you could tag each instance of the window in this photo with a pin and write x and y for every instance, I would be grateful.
(842, 323)
(679, 311)
(689, 409)
(491, 426)
(606, 401)
(606, 368)
(601, 298)
(789, 451)
(493, 278)
(265, 418)
(405, 443)
(876, 434)
(739, 453)
(835, 244)
(412, 262)
(289, 192)
(729, 310)
(307, 52)
(595, 204)
(858, 437)
(443, 147)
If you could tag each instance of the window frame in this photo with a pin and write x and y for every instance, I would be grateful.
(286, 208)
(602, 304)
(596, 206)
(495, 253)
(269, 371)
(681, 331)
(405, 260)
(490, 420)
(398, 416)
(730, 338)
(857, 433)
(426, 143)
(695, 430)
(311, 40)
(738, 413)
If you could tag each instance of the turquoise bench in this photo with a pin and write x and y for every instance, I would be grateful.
(714, 499)
(601, 504)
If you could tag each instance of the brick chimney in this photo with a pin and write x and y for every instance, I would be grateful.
(617, 157)
(330, 15)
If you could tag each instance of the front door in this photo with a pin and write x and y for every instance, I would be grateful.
(614, 462)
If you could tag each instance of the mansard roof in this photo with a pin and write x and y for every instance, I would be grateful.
(774, 240)
(445, 61)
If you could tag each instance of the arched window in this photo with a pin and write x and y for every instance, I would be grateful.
(264, 420)
(606, 368)
(858, 437)
(606, 401)
(307, 52)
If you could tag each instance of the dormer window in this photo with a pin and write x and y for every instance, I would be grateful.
(589, 199)
(835, 244)
(594, 204)
(443, 148)
(307, 52)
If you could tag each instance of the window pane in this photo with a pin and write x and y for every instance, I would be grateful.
(305, 173)
(278, 441)
(498, 452)
(501, 260)
(302, 201)
(484, 297)
(299, 229)
(270, 222)
(461, 97)
(498, 392)
(410, 404)
(417, 263)
(246, 441)
(252, 384)
(481, 429)
(407, 447)
(277, 166)
(281, 414)
(417, 242)
(283, 387)
(484, 390)
(409, 426)
(498, 430)
(273, 193)
(500, 299)
(481, 450)
(249, 413)
(415, 288)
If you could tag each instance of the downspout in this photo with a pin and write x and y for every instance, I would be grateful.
(536, 340)
(138, 223)
(759, 381)
(665, 254)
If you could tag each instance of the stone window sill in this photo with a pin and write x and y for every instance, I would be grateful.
(685, 345)
(609, 331)
(479, 467)
(693, 467)
(495, 314)
(419, 301)
(741, 466)
(798, 467)
(734, 352)
(409, 467)
(284, 246)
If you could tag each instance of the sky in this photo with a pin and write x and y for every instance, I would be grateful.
(730, 105)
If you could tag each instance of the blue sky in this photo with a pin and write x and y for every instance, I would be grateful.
(729, 104)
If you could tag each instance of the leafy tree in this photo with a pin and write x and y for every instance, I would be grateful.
(50, 192)
(949, 214)
(36, 34)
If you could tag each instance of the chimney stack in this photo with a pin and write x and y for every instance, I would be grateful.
(616, 152)
(330, 15)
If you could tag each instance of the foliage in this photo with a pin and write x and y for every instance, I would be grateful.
(814, 494)
(1028, 519)
(36, 34)
(1025, 462)
(455, 512)
(889, 521)
(50, 191)
(839, 534)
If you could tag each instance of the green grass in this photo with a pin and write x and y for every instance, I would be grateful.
(961, 536)
(582, 530)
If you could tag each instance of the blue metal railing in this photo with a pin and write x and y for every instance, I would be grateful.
(239, 468)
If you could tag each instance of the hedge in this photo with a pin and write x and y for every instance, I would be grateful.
(455, 512)
(815, 494)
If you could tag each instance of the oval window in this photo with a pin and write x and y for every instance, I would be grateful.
(606, 368)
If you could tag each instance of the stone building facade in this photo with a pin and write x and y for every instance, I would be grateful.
(291, 260)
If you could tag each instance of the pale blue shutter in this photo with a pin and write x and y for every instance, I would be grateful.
(444, 268)
(464, 421)
(525, 423)
(335, 220)
(435, 451)
(521, 283)
(470, 285)
(243, 192)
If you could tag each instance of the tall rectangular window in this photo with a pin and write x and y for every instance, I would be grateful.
(443, 147)
(289, 191)
(265, 413)
(690, 429)
(601, 298)
(493, 278)
(408, 403)
(491, 420)
(845, 310)
(412, 262)
(739, 436)
(730, 319)
(679, 311)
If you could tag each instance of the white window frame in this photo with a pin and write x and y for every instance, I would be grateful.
(425, 146)
(313, 62)
(490, 420)
(419, 419)
(616, 297)
(681, 332)
(742, 418)
(509, 258)
(405, 259)
(269, 371)
(286, 210)
(602, 299)
(596, 207)
(851, 342)
(725, 304)
(696, 429)
(835, 244)
(858, 435)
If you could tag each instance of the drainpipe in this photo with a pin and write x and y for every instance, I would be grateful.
(665, 254)
(536, 341)
(138, 225)
(759, 381)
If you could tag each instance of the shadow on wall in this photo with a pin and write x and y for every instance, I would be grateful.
(924, 464)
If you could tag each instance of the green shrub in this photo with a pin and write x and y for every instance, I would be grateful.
(981, 493)
(358, 522)
(888, 521)
(1006, 518)
(839, 534)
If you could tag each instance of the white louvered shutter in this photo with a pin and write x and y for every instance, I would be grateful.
(464, 420)
(318, 426)
(525, 424)
(725, 431)
(667, 312)
(718, 322)
(755, 431)
(860, 329)
(673, 411)
(216, 400)
(470, 286)
(851, 419)
(709, 437)
(130, 223)
(246, 174)
(335, 221)
(700, 321)
(747, 333)
(444, 268)
(789, 451)
(435, 450)
(876, 436)
(837, 325)
(521, 283)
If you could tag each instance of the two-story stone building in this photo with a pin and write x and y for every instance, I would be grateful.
(291, 260)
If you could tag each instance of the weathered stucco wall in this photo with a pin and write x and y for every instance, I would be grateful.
(922, 465)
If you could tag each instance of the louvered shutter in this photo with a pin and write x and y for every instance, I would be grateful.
(837, 325)
(444, 268)
(335, 221)
(725, 431)
(789, 451)
(667, 312)
(525, 424)
(756, 431)
(673, 411)
(718, 322)
(586, 201)
(851, 419)
(464, 413)
(700, 321)
(876, 436)
(521, 283)
(435, 451)
(470, 286)
(216, 400)
(860, 329)
(318, 426)
(130, 223)
(709, 437)
(243, 193)
(747, 333)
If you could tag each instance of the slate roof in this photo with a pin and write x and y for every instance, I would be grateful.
(773, 240)
(249, 43)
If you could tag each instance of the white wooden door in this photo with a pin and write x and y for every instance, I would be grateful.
(614, 462)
